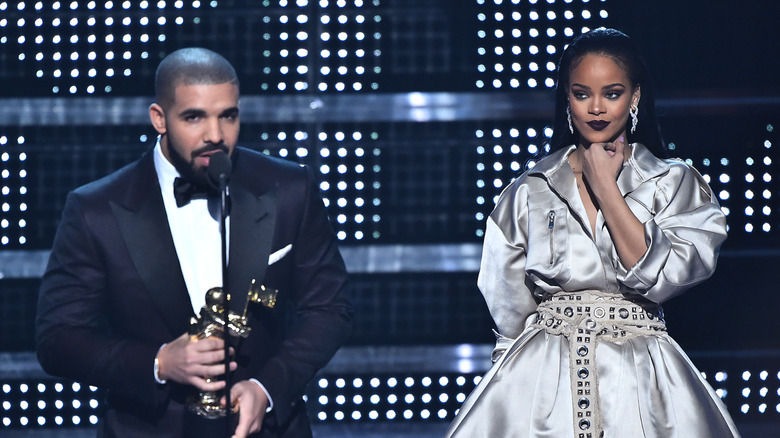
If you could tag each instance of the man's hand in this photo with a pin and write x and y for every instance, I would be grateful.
(190, 362)
(252, 403)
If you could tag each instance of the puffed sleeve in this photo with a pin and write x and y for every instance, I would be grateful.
(502, 280)
(683, 236)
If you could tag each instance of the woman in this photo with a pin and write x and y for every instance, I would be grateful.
(579, 253)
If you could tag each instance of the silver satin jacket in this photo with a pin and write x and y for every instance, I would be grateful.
(538, 239)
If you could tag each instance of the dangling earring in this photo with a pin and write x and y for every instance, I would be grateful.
(568, 117)
(634, 112)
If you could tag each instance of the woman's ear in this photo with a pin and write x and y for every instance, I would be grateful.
(635, 97)
(157, 116)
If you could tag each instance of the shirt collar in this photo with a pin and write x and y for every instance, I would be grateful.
(166, 173)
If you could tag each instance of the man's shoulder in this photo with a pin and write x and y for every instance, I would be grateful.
(267, 167)
(256, 158)
(114, 183)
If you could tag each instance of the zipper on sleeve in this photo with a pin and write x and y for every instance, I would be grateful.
(551, 227)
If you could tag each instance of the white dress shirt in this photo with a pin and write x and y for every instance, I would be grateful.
(197, 240)
(195, 235)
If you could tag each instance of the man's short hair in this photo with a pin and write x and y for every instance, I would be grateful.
(191, 66)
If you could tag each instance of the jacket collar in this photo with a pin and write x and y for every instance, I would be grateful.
(641, 166)
(143, 225)
(140, 213)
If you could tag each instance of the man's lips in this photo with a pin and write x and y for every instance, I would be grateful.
(598, 125)
(204, 157)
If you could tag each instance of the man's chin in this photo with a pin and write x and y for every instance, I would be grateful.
(197, 175)
(201, 178)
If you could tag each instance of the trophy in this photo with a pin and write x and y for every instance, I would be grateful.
(206, 417)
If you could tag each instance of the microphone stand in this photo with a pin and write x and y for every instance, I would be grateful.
(219, 170)
(225, 297)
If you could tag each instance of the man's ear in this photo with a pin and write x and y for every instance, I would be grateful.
(157, 116)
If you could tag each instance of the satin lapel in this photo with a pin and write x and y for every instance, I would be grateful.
(563, 182)
(252, 220)
(641, 166)
(145, 231)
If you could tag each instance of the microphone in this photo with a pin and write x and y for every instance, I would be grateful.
(219, 170)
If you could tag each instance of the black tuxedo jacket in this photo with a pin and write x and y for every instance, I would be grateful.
(113, 292)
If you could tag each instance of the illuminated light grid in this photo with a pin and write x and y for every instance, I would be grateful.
(389, 397)
(348, 165)
(747, 187)
(751, 392)
(90, 47)
(437, 396)
(14, 197)
(520, 42)
(503, 153)
(321, 46)
(48, 403)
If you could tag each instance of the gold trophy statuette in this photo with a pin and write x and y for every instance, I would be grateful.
(210, 322)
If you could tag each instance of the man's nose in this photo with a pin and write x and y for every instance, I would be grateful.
(213, 132)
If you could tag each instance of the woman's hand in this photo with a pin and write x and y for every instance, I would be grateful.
(601, 165)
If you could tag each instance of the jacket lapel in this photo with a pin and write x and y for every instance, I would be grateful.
(556, 170)
(252, 220)
(146, 233)
(642, 166)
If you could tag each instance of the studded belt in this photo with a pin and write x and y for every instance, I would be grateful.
(585, 318)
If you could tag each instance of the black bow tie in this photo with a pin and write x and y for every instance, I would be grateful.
(185, 191)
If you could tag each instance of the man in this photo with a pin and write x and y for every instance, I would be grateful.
(131, 264)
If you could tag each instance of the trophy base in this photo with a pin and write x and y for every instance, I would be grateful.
(209, 422)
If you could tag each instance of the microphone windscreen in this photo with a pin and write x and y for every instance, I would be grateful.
(219, 167)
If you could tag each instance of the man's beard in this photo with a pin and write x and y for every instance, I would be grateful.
(187, 169)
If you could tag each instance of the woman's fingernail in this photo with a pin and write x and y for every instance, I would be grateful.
(621, 139)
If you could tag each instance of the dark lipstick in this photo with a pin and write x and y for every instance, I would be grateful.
(598, 125)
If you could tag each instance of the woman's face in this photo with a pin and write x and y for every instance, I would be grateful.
(600, 96)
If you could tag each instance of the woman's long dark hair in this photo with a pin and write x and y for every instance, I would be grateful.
(619, 47)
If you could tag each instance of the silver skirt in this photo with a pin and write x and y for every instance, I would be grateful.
(643, 384)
